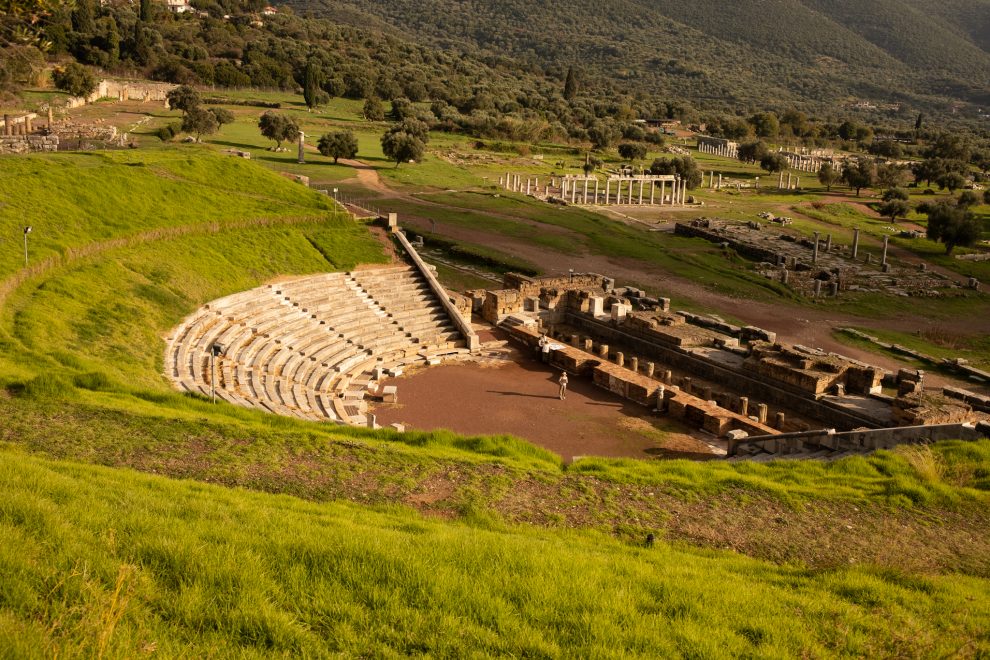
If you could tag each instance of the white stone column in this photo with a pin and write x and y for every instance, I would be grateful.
(608, 187)
(663, 191)
(596, 191)
(585, 191)
(653, 191)
(529, 182)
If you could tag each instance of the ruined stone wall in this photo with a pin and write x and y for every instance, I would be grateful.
(746, 383)
(814, 373)
(68, 131)
(863, 439)
(669, 329)
(709, 234)
(531, 286)
(501, 303)
(928, 407)
(24, 144)
(463, 304)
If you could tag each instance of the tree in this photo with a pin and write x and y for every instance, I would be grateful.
(950, 147)
(753, 152)
(952, 225)
(632, 150)
(684, 166)
(183, 98)
(986, 196)
(774, 162)
(402, 108)
(895, 194)
(570, 84)
(891, 176)
(399, 146)
(967, 199)
(591, 164)
(339, 144)
(602, 135)
(951, 180)
(199, 122)
(222, 116)
(312, 83)
(373, 110)
(278, 127)
(886, 148)
(859, 174)
(894, 208)
(406, 141)
(146, 10)
(828, 176)
(765, 124)
(75, 79)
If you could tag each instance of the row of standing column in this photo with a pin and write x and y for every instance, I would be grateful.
(10, 128)
(793, 182)
(804, 164)
(724, 151)
(570, 190)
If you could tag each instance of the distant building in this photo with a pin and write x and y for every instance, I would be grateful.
(664, 124)
(178, 6)
(269, 11)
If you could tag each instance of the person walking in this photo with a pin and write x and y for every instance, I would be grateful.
(563, 384)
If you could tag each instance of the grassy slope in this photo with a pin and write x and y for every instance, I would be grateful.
(102, 562)
(135, 241)
(818, 514)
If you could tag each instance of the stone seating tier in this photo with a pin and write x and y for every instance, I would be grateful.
(305, 346)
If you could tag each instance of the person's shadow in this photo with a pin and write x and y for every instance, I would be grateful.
(531, 396)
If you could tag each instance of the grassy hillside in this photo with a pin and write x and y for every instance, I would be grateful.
(127, 243)
(108, 563)
(801, 52)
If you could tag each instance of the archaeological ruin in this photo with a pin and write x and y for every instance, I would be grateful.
(320, 347)
(820, 266)
(616, 190)
(718, 146)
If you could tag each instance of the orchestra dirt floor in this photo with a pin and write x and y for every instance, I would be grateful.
(516, 394)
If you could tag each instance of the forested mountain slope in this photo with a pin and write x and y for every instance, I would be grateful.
(802, 52)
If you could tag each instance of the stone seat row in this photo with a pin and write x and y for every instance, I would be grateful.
(312, 347)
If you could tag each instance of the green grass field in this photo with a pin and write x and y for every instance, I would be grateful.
(101, 562)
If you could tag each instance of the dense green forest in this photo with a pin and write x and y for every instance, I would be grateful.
(728, 56)
(489, 70)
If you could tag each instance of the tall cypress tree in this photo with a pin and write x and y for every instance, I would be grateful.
(570, 84)
(146, 10)
(313, 81)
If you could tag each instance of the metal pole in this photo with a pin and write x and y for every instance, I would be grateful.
(25, 249)
(213, 376)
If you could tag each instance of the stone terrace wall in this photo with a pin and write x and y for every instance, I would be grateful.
(786, 443)
(531, 286)
(778, 394)
(23, 144)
